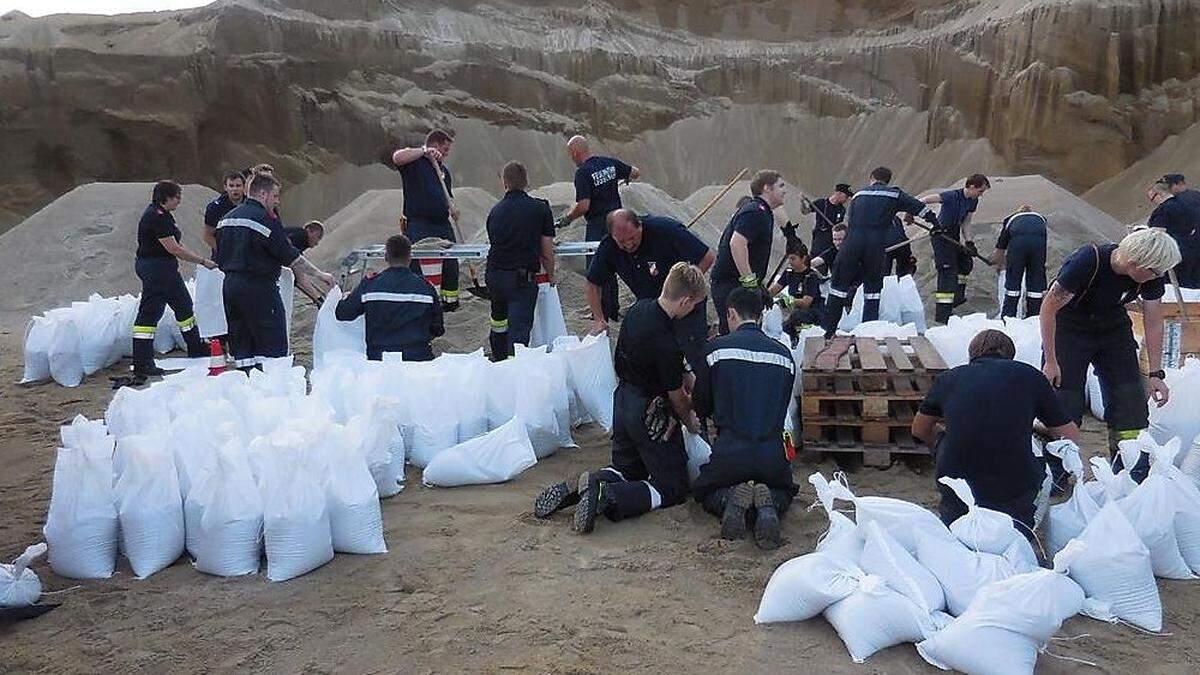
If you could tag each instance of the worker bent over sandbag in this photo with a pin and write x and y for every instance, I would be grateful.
(745, 385)
(649, 463)
(402, 308)
(988, 407)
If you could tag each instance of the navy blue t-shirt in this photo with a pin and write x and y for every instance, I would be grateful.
(992, 451)
(801, 284)
(217, 208)
(956, 206)
(596, 180)
(1100, 294)
(665, 241)
(515, 227)
(298, 236)
(1179, 219)
(423, 195)
(756, 223)
(156, 223)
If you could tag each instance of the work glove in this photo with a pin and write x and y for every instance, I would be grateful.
(561, 223)
(931, 218)
(789, 230)
(971, 247)
(785, 301)
(660, 423)
(748, 281)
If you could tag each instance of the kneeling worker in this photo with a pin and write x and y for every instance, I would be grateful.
(745, 385)
(649, 464)
(251, 249)
(520, 230)
(798, 291)
(157, 265)
(987, 408)
(402, 308)
(640, 250)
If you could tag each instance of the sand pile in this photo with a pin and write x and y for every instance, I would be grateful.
(1124, 195)
(84, 243)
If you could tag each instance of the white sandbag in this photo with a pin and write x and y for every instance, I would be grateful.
(595, 381)
(377, 431)
(98, 324)
(1178, 418)
(900, 303)
(1068, 519)
(193, 443)
(355, 519)
(843, 538)
(150, 510)
(128, 307)
(430, 424)
(466, 373)
(331, 335)
(552, 392)
(803, 587)
(883, 556)
(287, 295)
(167, 335)
(82, 432)
(960, 571)
(1026, 335)
(698, 451)
(209, 303)
(1184, 496)
(497, 456)
(982, 529)
(897, 517)
(772, 321)
(1095, 395)
(1009, 621)
(130, 448)
(561, 344)
(1109, 486)
(1115, 569)
(875, 617)
(295, 518)
(39, 334)
(548, 321)
(19, 585)
(884, 329)
(66, 365)
(81, 526)
(224, 516)
(1151, 509)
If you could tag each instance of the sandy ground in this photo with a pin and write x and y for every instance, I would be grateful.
(473, 583)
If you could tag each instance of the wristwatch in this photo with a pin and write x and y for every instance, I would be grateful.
(1158, 375)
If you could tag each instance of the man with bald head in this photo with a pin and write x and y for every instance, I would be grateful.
(640, 250)
(596, 195)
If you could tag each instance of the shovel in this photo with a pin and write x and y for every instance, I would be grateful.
(476, 289)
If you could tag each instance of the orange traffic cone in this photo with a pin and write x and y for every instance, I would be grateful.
(216, 362)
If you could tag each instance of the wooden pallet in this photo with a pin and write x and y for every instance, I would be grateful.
(860, 394)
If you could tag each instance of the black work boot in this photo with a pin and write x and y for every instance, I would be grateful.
(737, 505)
(143, 359)
(195, 348)
(501, 349)
(554, 499)
(766, 523)
(592, 502)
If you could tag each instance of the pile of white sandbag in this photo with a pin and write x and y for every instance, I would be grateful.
(952, 339)
(223, 468)
(68, 343)
(972, 597)
(457, 412)
(899, 303)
